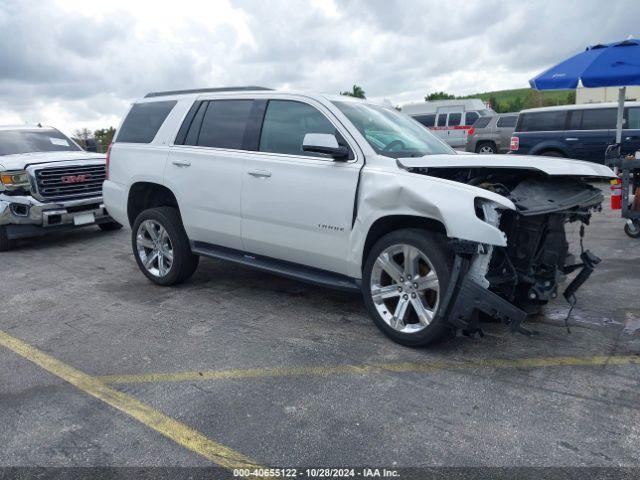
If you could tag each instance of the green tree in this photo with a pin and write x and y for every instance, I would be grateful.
(104, 137)
(356, 91)
(439, 96)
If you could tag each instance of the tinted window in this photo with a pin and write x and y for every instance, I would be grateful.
(287, 122)
(224, 124)
(143, 121)
(633, 118)
(471, 118)
(509, 121)
(482, 122)
(37, 140)
(598, 119)
(194, 129)
(454, 119)
(442, 119)
(542, 121)
(575, 120)
(426, 120)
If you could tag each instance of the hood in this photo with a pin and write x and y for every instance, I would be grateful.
(548, 165)
(23, 160)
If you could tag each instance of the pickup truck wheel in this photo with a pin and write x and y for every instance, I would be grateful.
(405, 275)
(5, 243)
(161, 247)
(109, 226)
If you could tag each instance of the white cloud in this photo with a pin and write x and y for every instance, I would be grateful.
(79, 63)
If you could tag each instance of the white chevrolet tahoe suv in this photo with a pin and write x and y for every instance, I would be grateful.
(47, 183)
(348, 194)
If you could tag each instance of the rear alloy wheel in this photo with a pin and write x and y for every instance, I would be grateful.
(161, 246)
(486, 148)
(405, 277)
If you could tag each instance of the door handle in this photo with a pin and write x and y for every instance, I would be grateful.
(259, 173)
(181, 163)
(630, 138)
(571, 139)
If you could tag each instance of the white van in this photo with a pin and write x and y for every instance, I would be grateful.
(450, 120)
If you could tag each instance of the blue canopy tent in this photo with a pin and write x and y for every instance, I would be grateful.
(606, 65)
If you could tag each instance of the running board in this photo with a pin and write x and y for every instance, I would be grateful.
(279, 267)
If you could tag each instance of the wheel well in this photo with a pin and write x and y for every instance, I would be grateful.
(145, 195)
(553, 150)
(485, 142)
(385, 225)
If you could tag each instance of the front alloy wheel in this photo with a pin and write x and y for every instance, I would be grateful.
(405, 288)
(403, 279)
(154, 248)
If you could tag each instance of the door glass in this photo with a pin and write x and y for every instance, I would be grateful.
(509, 121)
(598, 119)
(454, 119)
(633, 118)
(194, 129)
(224, 124)
(470, 118)
(575, 120)
(442, 120)
(286, 122)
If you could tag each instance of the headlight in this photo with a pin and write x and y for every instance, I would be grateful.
(14, 180)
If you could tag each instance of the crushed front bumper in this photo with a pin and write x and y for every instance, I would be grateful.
(24, 216)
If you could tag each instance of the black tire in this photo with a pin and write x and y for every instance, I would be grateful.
(433, 246)
(552, 153)
(184, 261)
(633, 232)
(5, 243)
(109, 226)
(486, 145)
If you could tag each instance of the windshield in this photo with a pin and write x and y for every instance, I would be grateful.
(390, 132)
(36, 140)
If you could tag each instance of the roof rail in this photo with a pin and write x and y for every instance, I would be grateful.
(205, 90)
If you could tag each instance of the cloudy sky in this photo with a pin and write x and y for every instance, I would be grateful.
(79, 63)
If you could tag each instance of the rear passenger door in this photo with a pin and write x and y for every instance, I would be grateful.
(589, 132)
(205, 169)
(298, 206)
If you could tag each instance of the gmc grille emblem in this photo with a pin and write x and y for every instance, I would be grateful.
(76, 178)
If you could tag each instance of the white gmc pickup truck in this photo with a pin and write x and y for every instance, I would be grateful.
(348, 194)
(47, 183)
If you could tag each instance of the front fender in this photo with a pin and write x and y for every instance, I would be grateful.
(385, 193)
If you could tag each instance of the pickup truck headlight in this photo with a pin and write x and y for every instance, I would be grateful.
(14, 180)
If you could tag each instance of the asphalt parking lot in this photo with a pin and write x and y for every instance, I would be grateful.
(98, 367)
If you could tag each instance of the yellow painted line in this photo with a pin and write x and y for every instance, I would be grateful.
(376, 368)
(161, 423)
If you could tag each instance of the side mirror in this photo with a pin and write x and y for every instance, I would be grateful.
(325, 143)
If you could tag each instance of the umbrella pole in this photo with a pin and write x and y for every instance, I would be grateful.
(621, 95)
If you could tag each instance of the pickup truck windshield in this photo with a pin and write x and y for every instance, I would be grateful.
(37, 140)
(390, 132)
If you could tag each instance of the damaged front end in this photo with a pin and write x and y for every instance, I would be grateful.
(514, 281)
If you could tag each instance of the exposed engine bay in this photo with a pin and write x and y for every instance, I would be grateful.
(529, 270)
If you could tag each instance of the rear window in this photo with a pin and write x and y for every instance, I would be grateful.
(37, 140)
(598, 119)
(542, 121)
(143, 121)
(224, 124)
(454, 119)
(471, 118)
(426, 120)
(508, 121)
(482, 122)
